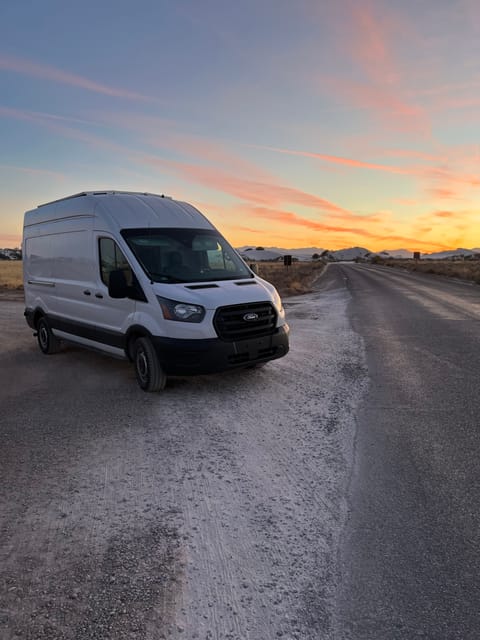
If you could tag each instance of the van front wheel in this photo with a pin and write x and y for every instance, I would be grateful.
(148, 371)
(47, 342)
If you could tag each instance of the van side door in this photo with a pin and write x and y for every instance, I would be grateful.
(111, 316)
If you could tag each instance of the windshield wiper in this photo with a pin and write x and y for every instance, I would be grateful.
(164, 277)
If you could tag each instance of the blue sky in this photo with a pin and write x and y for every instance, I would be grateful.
(288, 123)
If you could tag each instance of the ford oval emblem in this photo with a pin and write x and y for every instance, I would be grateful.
(250, 317)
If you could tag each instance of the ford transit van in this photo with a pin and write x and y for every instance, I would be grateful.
(148, 278)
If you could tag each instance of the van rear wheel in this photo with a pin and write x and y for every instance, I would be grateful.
(47, 342)
(149, 373)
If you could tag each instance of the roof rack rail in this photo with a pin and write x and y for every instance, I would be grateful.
(111, 192)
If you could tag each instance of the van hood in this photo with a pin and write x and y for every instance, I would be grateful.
(212, 295)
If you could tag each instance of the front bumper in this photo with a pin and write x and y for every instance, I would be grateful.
(190, 357)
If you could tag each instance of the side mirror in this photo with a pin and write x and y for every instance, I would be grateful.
(117, 284)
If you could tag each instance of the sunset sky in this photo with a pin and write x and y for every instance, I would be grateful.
(294, 123)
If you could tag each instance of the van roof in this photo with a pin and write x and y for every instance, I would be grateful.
(121, 210)
(104, 193)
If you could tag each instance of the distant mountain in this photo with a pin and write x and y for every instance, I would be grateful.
(249, 253)
(277, 252)
(398, 253)
(351, 253)
(450, 254)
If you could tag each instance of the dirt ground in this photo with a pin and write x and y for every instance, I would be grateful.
(211, 510)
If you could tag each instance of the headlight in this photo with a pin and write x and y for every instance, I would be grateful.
(277, 301)
(181, 311)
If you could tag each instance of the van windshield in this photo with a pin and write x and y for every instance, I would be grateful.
(185, 255)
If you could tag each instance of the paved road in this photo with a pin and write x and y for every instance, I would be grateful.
(410, 562)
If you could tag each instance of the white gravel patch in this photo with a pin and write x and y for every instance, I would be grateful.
(212, 510)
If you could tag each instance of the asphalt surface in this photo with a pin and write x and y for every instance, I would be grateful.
(410, 554)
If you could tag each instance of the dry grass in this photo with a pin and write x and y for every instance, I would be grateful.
(11, 276)
(469, 270)
(299, 277)
(293, 280)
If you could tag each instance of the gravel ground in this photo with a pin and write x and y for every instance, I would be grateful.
(212, 510)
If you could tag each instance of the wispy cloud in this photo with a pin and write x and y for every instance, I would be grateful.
(290, 218)
(53, 74)
(348, 162)
(383, 103)
(33, 171)
(442, 181)
(164, 134)
(264, 192)
(51, 122)
(367, 38)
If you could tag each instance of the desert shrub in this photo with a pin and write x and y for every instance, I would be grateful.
(293, 280)
(469, 270)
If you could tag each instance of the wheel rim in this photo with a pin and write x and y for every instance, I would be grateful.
(142, 366)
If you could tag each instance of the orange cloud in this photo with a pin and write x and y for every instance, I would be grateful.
(444, 194)
(380, 240)
(370, 43)
(292, 218)
(444, 214)
(45, 72)
(265, 193)
(449, 179)
(442, 174)
(349, 162)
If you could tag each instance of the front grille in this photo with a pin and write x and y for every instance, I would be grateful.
(230, 323)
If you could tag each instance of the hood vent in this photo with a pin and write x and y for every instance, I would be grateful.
(243, 283)
(202, 286)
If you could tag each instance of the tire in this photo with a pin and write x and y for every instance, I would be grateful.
(149, 373)
(47, 342)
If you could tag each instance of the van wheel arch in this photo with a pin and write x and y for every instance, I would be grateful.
(133, 334)
(37, 314)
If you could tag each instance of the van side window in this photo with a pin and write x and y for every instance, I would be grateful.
(111, 258)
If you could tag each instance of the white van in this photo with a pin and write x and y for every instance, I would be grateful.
(148, 278)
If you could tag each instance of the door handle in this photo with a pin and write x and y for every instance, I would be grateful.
(87, 292)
